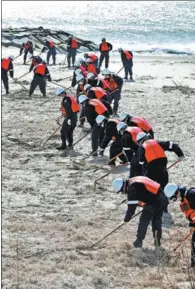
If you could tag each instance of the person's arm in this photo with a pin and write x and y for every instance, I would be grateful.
(67, 106)
(132, 203)
(141, 155)
(44, 47)
(171, 147)
(100, 47)
(22, 48)
(11, 69)
(31, 67)
(119, 81)
(48, 74)
(107, 137)
(69, 44)
(110, 46)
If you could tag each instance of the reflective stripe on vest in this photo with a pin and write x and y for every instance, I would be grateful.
(99, 92)
(112, 84)
(51, 44)
(73, 43)
(142, 123)
(128, 55)
(149, 184)
(92, 56)
(104, 46)
(133, 131)
(116, 121)
(98, 105)
(91, 68)
(153, 150)
(5, 63)
(74, 105)
(40, 69)
(190, 213)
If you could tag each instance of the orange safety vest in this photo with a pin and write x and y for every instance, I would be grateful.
(186, 209)
(142, 123)
(99, 92)
(153, 150)
(105, 84)
(92, 56)
(133, 131)
(74, 43)
(112, 84)
(128, 55)
(40, 69)
(91, 68)
(81, 87)
(104, 46)
(74, 106)
(51, 44)
(5, 63)
(149, 184)
(100, 108)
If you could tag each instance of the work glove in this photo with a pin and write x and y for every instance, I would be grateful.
(69, 122)
(101, 152)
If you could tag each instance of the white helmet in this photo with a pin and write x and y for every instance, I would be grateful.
(105, 72)
(170, 190)
(100, 118)
(60, 91)
(77, 64)
(117, 185)
(79, 77)
(87, 86)
(121, 125)
(88, 60)
(78, 71)
(82, 98)
(90, 75)
(123, 116)
(11, 57)
(140, 136)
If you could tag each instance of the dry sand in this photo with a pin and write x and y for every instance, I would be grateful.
(51, 214)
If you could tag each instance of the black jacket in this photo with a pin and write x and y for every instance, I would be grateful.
(110, 131)
(30, 49)
(66, 103)
(127, 142)
(123, 57)
(166, 146)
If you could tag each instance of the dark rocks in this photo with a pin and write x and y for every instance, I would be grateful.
(14, 37)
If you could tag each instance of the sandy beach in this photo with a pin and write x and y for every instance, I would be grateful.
(51, 214)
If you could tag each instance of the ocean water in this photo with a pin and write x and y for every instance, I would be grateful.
(141, 26)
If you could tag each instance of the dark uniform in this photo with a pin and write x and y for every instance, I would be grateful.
(40, 73)
(6, 65)
(69, 108)
(130, 147)
(115, 84)
(91, 109)
(28, 48)
(72, 50)
(104, 49)
(145, 190)
(127, 60)
(116, 148)
(152, 154)
(101, 94)
(50, 46)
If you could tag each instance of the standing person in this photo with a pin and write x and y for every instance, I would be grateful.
(143, 189)
(40, 73)
(50, 46)
(104, 49)
(91, 109)
(138, 121)
(28, 48)
(35, 61)
(115, 84)
(7, 65)
(72, 50)
(111, 133)
(127, 60)
(69, 109)
(187, 205)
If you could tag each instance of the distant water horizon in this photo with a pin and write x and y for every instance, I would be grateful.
(165, 27)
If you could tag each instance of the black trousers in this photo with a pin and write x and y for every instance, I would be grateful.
(67, 130)
(104, 54)
(71, 55)
(115, 149)
(26, 51)
(193, 248)
(152, 213)
(4, 78)
(38, 81)
(116, 96)
(96, 137)
(52, 53)
(128, 68)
